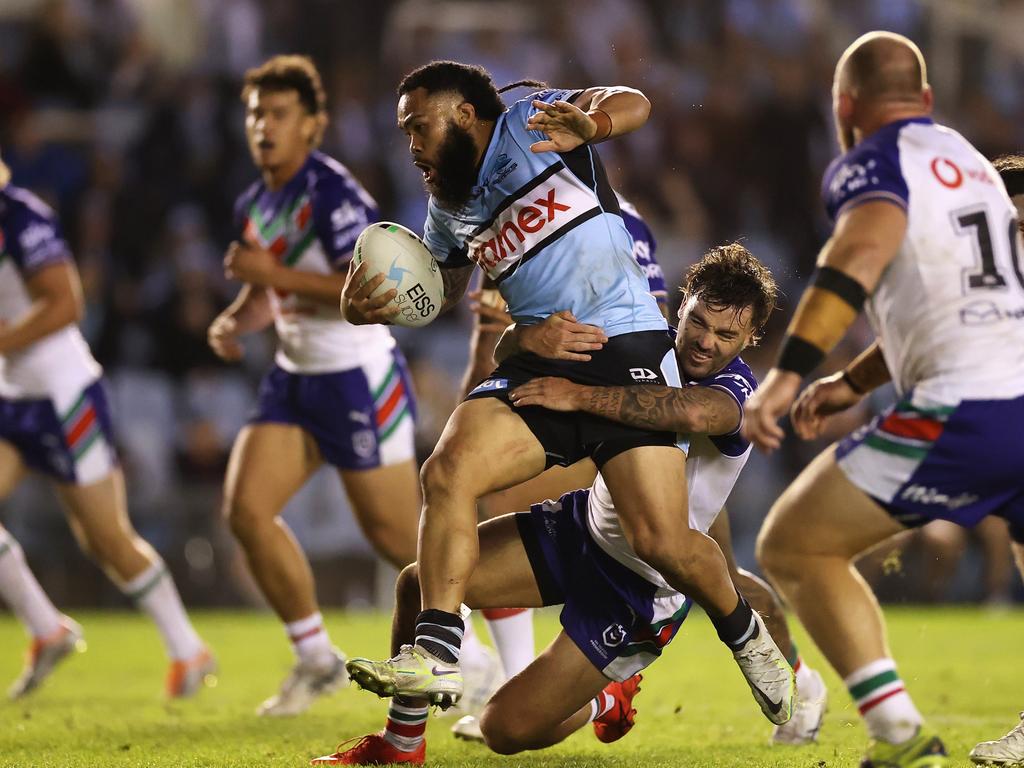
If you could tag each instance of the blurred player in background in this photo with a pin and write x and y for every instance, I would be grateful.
(926, 233)
(619, 613)
(337, 394)
(54, 420)
(522, 193)
(512, 628)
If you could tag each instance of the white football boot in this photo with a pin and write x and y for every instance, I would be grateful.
(467, 728)
(1008, 750)
(45, 654)
(768, 674)
(414, 672)
(808, 714)
(304, 685)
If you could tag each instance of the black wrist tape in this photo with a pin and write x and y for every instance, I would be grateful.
(854, 386)
(799, 355)
(841, 284)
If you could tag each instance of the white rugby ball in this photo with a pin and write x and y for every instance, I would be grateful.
(407, 266)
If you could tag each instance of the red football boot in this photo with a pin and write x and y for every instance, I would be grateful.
(372, 750)
(617, 721)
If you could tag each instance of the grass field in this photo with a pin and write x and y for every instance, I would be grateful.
(102, 708)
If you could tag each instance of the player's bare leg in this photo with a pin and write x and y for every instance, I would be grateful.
(504, 577)
(98, 515)
(269, 463)
(386, 504)
(54, 635)
(651, 500)
(811, 693)
(485, 447)
(512, 631)
(807, 546)
(549, 700)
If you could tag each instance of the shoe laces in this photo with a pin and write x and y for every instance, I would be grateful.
(360, 744)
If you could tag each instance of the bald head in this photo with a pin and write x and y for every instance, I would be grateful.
(883, 67)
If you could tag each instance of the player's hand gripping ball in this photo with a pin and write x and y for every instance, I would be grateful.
(408, 268)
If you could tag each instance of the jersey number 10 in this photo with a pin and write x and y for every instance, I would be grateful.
(976, 223)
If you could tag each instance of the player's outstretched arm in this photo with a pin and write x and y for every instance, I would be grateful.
(866, 240)
(56, 294)
(690, 410)
(597, 114)
(833, 394)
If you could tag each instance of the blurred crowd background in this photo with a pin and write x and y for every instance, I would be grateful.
(125, 116)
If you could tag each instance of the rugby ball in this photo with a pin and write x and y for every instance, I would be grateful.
(407, 266)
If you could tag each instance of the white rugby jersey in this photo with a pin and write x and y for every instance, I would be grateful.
(713, 465)
(949, 310)
(59, 365)
(311, 224)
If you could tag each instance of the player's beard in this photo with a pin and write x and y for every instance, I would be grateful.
(455, 173)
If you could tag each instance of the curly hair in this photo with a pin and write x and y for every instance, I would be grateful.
(289, 73)
(1011, 171)
(731, 276)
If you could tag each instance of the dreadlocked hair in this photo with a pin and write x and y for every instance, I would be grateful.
(472, 82)
(537, 85)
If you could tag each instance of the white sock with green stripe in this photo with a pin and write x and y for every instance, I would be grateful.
(601, 705)
(407, 722)
(21, 591)
(153, 591)
(885, 705)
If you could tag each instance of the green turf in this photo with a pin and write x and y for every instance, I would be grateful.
(104, 707)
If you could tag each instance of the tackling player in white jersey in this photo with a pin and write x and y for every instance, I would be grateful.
(337, 394)
(54, 420)
(512, 628)
(926, 233)
(618, 611)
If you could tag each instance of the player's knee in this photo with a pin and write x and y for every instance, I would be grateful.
(502, 733)
(671, 555)
(244, 517)
(407, 587)
(439, 475)
(771, 552)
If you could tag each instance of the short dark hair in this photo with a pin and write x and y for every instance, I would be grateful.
(1011, 171)
(471, 81)
(731, 276)
(289, 72)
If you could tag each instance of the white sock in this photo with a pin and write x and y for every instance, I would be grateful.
(309, 640)
(807, 684)
(21, 591)
(600, 704)
(154, 593)
(513, 637)
(887, 709)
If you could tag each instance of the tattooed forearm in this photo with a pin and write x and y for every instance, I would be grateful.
(692, 410)
(455, 282)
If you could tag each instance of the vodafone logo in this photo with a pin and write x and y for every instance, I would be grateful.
(947, 172)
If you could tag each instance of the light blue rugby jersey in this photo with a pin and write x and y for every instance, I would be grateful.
(547, 229)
